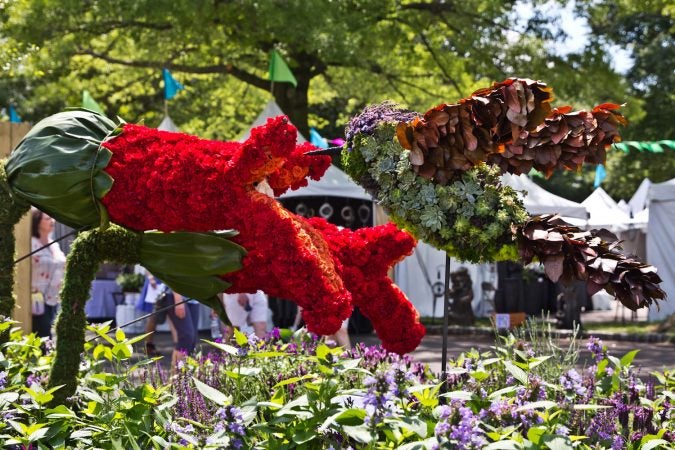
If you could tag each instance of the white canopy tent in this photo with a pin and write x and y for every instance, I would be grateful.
(272, 109)
(638, 202)
(605, 212)
(538, 200)
(661, 243)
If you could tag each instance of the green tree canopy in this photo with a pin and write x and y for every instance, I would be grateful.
(343, 54)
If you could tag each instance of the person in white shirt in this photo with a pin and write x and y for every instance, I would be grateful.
(47, 268)
(248, 312)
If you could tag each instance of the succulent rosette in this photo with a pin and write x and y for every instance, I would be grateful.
(438, 175)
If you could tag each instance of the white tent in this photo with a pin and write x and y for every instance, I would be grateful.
(605, 212)
(538, 200)
(168, 125)
(334, 183)
(661, 243)
(638, 202)
(271, 110)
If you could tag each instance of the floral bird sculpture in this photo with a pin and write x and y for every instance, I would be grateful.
(145, 179)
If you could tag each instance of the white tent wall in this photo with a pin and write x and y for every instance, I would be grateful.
(410, 276)
(605, 212)
(661, 243)
(538, 200)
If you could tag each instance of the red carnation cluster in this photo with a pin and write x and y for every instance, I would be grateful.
(298, 166)
(367, 255)
(175, 182)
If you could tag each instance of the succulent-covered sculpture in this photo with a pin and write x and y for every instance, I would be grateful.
(438, 176)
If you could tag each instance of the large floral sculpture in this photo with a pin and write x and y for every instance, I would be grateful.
(438, 175)
(158, 180)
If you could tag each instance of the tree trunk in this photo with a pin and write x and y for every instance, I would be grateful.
(294, 101)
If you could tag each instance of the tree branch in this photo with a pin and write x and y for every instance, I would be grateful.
(228, 69)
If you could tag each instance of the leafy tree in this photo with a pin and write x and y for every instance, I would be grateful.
(344, 54)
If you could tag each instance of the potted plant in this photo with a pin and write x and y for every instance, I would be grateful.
(130, 284)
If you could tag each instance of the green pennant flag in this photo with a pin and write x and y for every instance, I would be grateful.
(89, 103)
(279, 70)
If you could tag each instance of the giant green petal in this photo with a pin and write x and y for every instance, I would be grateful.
(191, 263)
(58, 166)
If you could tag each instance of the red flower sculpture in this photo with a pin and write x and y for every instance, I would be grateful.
(175, 182)
(366, 256)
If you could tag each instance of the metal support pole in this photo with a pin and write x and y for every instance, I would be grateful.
(446, 307)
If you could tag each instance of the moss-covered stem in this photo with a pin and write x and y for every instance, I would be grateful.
(88, 251)
(11, 211)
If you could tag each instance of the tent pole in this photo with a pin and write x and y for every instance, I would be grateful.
(446, 307)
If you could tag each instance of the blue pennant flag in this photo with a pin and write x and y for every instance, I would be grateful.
(171, 85)
(600, 174)
(13, 116)
(316, 140)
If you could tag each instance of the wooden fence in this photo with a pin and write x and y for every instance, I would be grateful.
(10, 135)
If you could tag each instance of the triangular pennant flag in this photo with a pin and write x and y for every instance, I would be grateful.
(171, 85)
(279, 70)
(89, 103)
(13, 116)
(600, 174)
(316, 140)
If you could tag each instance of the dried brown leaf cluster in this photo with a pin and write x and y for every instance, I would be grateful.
(569, 253)
(564, 141)
(510, 125)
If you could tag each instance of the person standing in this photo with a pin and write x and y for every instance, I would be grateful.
(248, 312)
(47, 268)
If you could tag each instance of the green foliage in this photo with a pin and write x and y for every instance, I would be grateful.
(130, 282)
(88, 250)
(303, 394)
(344, 55)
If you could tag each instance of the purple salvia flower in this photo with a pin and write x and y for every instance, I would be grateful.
(367, 121)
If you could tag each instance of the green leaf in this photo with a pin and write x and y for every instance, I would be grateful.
(518, 373)
(212, 394)
(546, 404)
(359, 433)
(240, 338)
(190, 262)
(627, 359)
(122, 351)
(224, 347)
(351, 417)
(534, 434)
(294, 380)
(557, 442)
(304, 436)
(58, 167)
(649, 444)
(458, 395)
(590, 407)
(119, 335)
(503, 445)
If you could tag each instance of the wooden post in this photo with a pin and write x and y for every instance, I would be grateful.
(10, 136)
